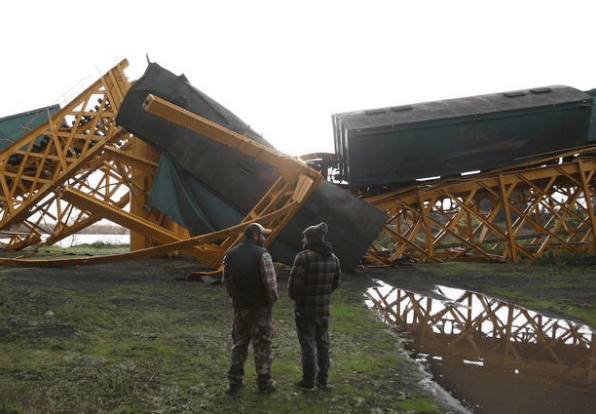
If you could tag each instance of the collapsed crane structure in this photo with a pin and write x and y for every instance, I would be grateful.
(189, 190)
(184, 174)
(76, 141)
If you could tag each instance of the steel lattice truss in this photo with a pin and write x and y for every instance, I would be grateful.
(80, 167)
(508, 215)
(501, 336)
(81, 147)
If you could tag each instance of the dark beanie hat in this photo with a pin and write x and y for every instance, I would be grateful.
(316, 233)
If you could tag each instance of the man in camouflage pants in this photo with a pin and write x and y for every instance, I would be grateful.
(250, 279)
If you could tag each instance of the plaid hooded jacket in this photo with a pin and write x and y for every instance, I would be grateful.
(316, 273)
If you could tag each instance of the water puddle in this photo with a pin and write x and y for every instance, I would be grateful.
(493, 356)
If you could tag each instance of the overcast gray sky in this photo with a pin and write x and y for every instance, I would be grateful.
(285, 67)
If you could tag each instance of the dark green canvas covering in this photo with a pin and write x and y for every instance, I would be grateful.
(205, 186)
(189, 202)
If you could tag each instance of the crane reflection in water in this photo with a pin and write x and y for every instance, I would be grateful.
(495, 356)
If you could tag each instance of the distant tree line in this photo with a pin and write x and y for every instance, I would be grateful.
(93, 229)
(105, 229)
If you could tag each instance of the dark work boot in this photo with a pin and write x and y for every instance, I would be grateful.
(268, 389)
(233, 389)
(304, 385)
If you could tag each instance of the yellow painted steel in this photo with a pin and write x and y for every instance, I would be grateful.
(509, 215)
(123, 218)
(512, 214)
(289, 167)
(87, 151)
(91, 169)
(75, 138)
(207, 242)
(291, 190)
(141, 179)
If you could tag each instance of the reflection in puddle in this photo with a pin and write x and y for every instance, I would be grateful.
(494, 356)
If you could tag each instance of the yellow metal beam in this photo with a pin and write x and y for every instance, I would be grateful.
(295, 184)
(289, 167)
(210, 254)
(507, 215)
(125, 219)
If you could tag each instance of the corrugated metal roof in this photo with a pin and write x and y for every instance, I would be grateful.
(16, 126)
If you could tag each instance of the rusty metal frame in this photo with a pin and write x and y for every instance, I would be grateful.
(509, 215)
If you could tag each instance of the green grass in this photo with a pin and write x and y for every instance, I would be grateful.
(418, 405)
(553, 283)
(164, 348)
(57, 252)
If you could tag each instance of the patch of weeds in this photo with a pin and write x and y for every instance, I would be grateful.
(365, 363)
(418, 405)
(565, 259)
(524, 299)
(350, 390)
(447, 269)
(456, 268)
(10, 407)
(285, 368)
(349, 319)
(98, 248)
(548, 305)
(587, 315)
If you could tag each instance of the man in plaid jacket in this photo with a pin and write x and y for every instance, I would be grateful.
(315, 274)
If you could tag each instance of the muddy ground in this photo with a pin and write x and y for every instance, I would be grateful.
(552, 283)
(408, 277)
(420, 279)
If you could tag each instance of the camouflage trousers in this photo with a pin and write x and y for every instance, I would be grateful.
(254, 326)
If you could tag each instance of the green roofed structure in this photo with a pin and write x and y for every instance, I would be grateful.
(16, 126)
